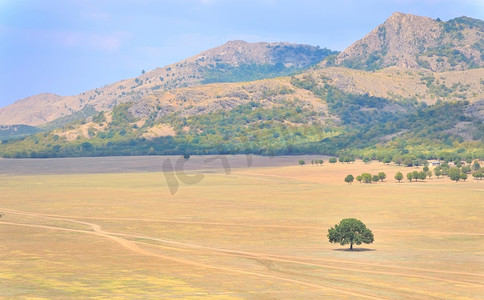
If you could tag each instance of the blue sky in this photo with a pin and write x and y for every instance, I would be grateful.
(69, 46)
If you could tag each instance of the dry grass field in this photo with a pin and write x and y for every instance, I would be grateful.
(256, 233)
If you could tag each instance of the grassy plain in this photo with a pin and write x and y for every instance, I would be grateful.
(256, 233)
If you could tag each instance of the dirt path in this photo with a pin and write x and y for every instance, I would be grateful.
(296, 260)
(119, 237)
(318, 228)
(133, 247)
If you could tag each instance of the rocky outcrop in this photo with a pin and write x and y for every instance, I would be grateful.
(409, 41)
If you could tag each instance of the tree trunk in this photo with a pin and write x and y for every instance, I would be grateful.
(351, 246)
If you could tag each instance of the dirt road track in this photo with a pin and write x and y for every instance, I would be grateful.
(71, 217)
(97, 228)
(120, 238)
(133, 247)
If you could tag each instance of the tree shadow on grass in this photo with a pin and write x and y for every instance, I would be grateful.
(355, 250)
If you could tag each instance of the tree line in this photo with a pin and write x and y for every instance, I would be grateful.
(456, 173)
(366, 178)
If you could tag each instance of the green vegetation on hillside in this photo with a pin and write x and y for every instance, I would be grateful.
(247, 72)
(287, 127)
(357, 126)
(8, 132)
(224, 72)
(82, 114)
(461, 23)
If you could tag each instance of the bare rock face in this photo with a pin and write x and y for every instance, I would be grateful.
(22, 111)
(409, 41)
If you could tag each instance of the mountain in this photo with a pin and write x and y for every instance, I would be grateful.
(415, 42)
(236, 99)
(231, 62)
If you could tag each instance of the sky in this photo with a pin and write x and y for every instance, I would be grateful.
(70, 46)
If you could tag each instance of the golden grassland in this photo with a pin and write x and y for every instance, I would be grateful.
(257, 233)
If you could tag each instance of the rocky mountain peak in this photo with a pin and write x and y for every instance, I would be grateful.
(409, 41)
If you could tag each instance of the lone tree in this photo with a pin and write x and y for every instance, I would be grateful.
(399, 176)
(350, 231)
(301, 162)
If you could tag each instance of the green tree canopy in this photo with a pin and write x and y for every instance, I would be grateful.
(399, 176)
(454, 174)
(476, 166)
(410, 176)
(478, 175)
(408, 162)
(350, 231)
(466, 169)
(366, 177)
(382, 176)
(349, 178)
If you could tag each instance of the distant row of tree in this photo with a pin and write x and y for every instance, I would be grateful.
(415, 175)
(366, 178)
(317, 162)
(455, 173)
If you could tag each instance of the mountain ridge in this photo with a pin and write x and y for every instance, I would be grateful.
(47, 107)
(328, 108)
